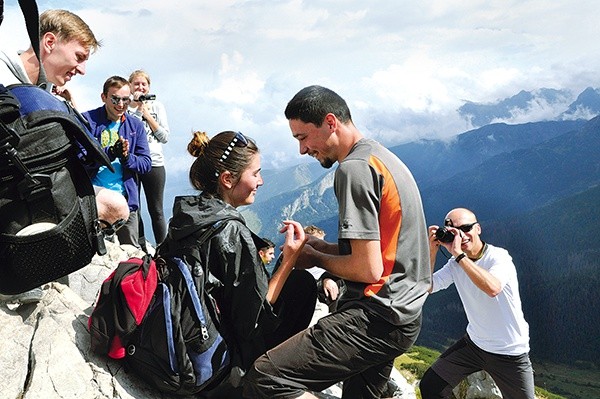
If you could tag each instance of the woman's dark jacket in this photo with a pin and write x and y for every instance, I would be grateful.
(237, 273)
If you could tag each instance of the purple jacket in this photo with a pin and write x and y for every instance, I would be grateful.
(139, 161)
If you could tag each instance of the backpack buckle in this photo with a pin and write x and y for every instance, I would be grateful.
(33, 186)
(9, 138)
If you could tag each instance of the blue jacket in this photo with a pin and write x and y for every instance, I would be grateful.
(139, 161)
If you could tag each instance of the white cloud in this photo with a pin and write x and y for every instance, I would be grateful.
(404, 67)
(237, 85)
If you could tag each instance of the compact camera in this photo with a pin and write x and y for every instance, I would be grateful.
(146, 97)
(444, 235)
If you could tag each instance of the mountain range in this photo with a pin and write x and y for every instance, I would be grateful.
(524, 103)
(587, 103)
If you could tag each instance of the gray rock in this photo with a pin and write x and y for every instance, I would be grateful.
(86, 282)
(480, 385)
(46, 353)
(45, 350)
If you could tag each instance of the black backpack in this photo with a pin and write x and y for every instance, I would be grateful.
(178, 347)
(48, 218)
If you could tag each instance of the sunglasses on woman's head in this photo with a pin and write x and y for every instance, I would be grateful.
(239, 140)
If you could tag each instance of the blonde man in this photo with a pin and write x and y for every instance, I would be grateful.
(66, 43)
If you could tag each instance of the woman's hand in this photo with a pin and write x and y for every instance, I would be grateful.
(139, 105)
(294, 242)
(330, 288)
(295, 238)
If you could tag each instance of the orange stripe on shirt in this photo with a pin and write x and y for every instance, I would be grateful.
(390, 222)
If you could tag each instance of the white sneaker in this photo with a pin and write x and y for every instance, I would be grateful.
(32, 296)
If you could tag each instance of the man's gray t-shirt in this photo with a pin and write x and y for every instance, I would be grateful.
(379, 200)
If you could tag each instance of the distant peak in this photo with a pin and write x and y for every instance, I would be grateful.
(534, 106)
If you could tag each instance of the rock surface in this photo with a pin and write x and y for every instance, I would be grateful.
(45, 350)
(480, 385)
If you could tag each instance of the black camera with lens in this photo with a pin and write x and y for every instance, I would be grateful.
(146, 97)
(444, 235)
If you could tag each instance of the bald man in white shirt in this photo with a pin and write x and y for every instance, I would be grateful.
(497, 338)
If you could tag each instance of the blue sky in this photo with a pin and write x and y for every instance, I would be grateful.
(403, 66)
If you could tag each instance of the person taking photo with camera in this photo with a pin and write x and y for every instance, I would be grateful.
(497, 337)
(152, 113)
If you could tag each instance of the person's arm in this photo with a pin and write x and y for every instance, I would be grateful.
(162, 125)
(359, 198)
(484, 280)
(434, 245)
(322, 245)
(294, 242)
(159, 125)
(364, 264)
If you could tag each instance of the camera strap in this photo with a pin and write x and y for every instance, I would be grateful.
(480, 254)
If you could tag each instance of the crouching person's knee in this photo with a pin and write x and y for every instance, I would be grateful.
(258, 379)
(432, 386)
(265, 381)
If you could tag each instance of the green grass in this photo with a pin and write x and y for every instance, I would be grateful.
(541, 393)
(412, 364)
(553, 381)
(416, 361)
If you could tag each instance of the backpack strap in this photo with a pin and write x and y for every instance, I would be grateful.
(38, 107)
(41, 107)
(9, 141)
(214, 229)
(195, 246)
(168, 246)
(32, 22)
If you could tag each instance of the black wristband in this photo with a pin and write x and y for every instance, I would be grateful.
(460, 257)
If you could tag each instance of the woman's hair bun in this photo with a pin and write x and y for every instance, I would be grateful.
(198, 143)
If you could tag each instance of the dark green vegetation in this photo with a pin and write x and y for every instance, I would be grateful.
(579, 382)
(553, 381)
